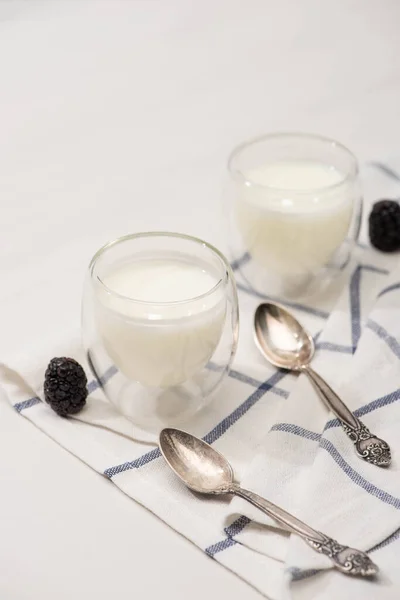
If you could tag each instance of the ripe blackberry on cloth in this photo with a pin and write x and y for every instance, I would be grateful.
(384, 225)
(65, 386)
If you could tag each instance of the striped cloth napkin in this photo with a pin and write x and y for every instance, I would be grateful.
(277, 434)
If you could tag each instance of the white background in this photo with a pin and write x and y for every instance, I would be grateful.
(116, 117)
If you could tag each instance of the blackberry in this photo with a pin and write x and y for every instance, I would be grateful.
(65, 386)
(384, 225)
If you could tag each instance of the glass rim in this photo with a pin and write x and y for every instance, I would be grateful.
(154, 234)
(238, 174)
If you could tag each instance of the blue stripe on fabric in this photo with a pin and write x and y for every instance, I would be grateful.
(256, 383)
(378, 403)
(341, 349)
(370, 488)
(355, 313)
(237, 526)
(244, 378)
(19, 406)
(385, 336)
(361, 245)
(220, 546)
(370, 407)
(239, 412)
(134, 464)
(239, 376)
(98, 383)
(299, 574)
(92, 386)
(385, 169)
(302, 307)
(374, 269)
(391, 538)
(232, 530)
(355, 300)
(317, 336)
(330, 346)
(390, 288)
(239, 262)
(296, 430)
(212, 435)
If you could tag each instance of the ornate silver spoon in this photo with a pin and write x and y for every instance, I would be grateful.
(206, 471)
(284, 343)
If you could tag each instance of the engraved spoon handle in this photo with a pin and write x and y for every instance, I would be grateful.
(367, 445)
(331, 399)
(347, 560)
(278, 514)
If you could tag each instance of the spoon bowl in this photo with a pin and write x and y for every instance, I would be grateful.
(199, 466)
(281, 338)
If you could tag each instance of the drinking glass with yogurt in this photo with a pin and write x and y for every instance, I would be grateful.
(160, 312)
(294, 211)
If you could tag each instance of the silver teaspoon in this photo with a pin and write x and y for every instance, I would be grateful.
(284, 343)
(206, 471)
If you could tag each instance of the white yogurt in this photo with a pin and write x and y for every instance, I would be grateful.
(292, 215)
(160, 324)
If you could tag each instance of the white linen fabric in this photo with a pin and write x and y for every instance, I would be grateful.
(279, 437)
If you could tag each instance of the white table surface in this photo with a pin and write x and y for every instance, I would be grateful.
(116, 117)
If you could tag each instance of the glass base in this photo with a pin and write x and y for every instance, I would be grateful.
(302, 286)
(152, 409)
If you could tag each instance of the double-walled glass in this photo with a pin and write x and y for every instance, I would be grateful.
(294, 208)
(160, 324)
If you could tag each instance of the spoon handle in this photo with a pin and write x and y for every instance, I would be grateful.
(367, 445)
(348, 560)
(280, 515)
(331, 399)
